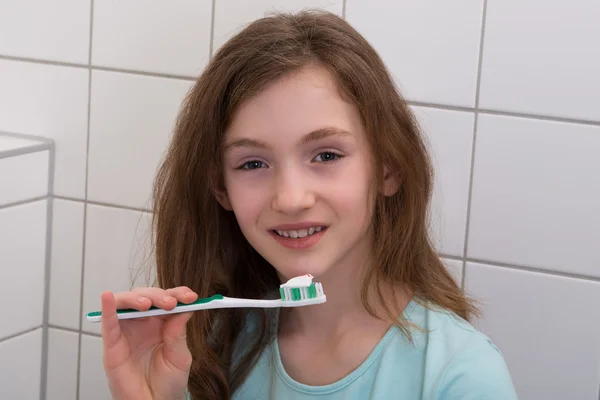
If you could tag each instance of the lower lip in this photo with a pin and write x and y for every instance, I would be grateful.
(299, 243)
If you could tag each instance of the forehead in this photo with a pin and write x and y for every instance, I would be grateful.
(293, 106)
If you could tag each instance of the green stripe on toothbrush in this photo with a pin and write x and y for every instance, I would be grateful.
(129, 310)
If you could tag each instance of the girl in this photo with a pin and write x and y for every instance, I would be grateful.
(295, 154)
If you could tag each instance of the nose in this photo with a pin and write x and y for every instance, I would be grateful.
(292, 194)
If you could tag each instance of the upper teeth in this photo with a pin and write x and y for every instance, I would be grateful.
(300, 233)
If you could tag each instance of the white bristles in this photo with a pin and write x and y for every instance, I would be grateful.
(319, 289)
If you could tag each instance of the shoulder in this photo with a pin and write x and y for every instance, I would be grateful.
(466, 363)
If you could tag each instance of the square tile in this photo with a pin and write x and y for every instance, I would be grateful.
(127, 234)
(24, 176)
(57, 30)
(66, 263)
(542, 57)
(21, 363)
(131, 123)
(93, 384)
(49, 101)
(431, 47)
(63, 349)
(536, 194)
(23, 266)
(231, 16)
(546, 326)
(450, 135)
(455, 268)
(156, 36)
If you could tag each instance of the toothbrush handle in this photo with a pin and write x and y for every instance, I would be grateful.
(225, 302)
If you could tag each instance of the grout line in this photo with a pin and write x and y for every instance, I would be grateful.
(63, 328)
(42, 61)
(518, 267)
(19, 151)
(344, 9)
(84, 245)
(212, 30)
(92, 334)
(440, 106)
(473, 146)
(97, 67)
(538, 270)
(541, 117)
(449, 257)
(513, 114)
(143, 73)
(15, 335)
(47, 273)
(23, 202)
(103, 204)
(26, 136)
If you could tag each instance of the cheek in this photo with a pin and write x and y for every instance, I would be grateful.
(353, 193)
(247, 199)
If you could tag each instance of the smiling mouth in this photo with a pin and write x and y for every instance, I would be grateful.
(299, 233)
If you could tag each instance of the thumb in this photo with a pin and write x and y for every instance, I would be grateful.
(174, 337)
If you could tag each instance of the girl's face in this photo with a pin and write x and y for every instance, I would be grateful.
(298, 176)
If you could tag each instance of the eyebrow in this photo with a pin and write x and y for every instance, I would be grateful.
(313, 136)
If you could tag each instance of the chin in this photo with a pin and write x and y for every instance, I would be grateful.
(288, 270)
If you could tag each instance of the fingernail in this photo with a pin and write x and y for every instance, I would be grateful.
(166, 298)
(141, 299)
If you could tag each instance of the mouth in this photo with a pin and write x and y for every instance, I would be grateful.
(303, 237)
(299, 233)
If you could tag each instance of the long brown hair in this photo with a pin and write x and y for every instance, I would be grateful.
(199, 244)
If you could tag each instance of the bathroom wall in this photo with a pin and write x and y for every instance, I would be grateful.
(507, 90)
(25, 217)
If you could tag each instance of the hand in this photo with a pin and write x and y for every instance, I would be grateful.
(146, 358)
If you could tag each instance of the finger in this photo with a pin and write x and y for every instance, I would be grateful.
(176, 350)
(111, 330)
(183, 294)
(158, 297)
(132, 300)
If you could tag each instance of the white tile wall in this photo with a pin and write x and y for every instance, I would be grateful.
(57, 30)
(22, 265)
(66, 263)
(116, 253)
(450, 135)
(431, 47)
(529, 214)
(33, 167)
(63, 349)
(455, 267)
(49, 101)
(542, 57)
(128, 110)
(11, 144)
(153, 36)
(20, 358)
(93, 384)
(233, 15)
(536, 203)
(548, 328)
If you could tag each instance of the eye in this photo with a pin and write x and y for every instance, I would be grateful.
(254, 164)
(328, 156)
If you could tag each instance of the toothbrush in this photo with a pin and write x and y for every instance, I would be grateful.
(297, 292)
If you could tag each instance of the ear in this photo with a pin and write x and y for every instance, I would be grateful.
(223, 199)
(391, 182)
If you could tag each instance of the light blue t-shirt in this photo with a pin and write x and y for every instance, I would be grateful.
(452, 361)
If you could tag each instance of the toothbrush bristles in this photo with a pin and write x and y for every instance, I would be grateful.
(301, 293)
